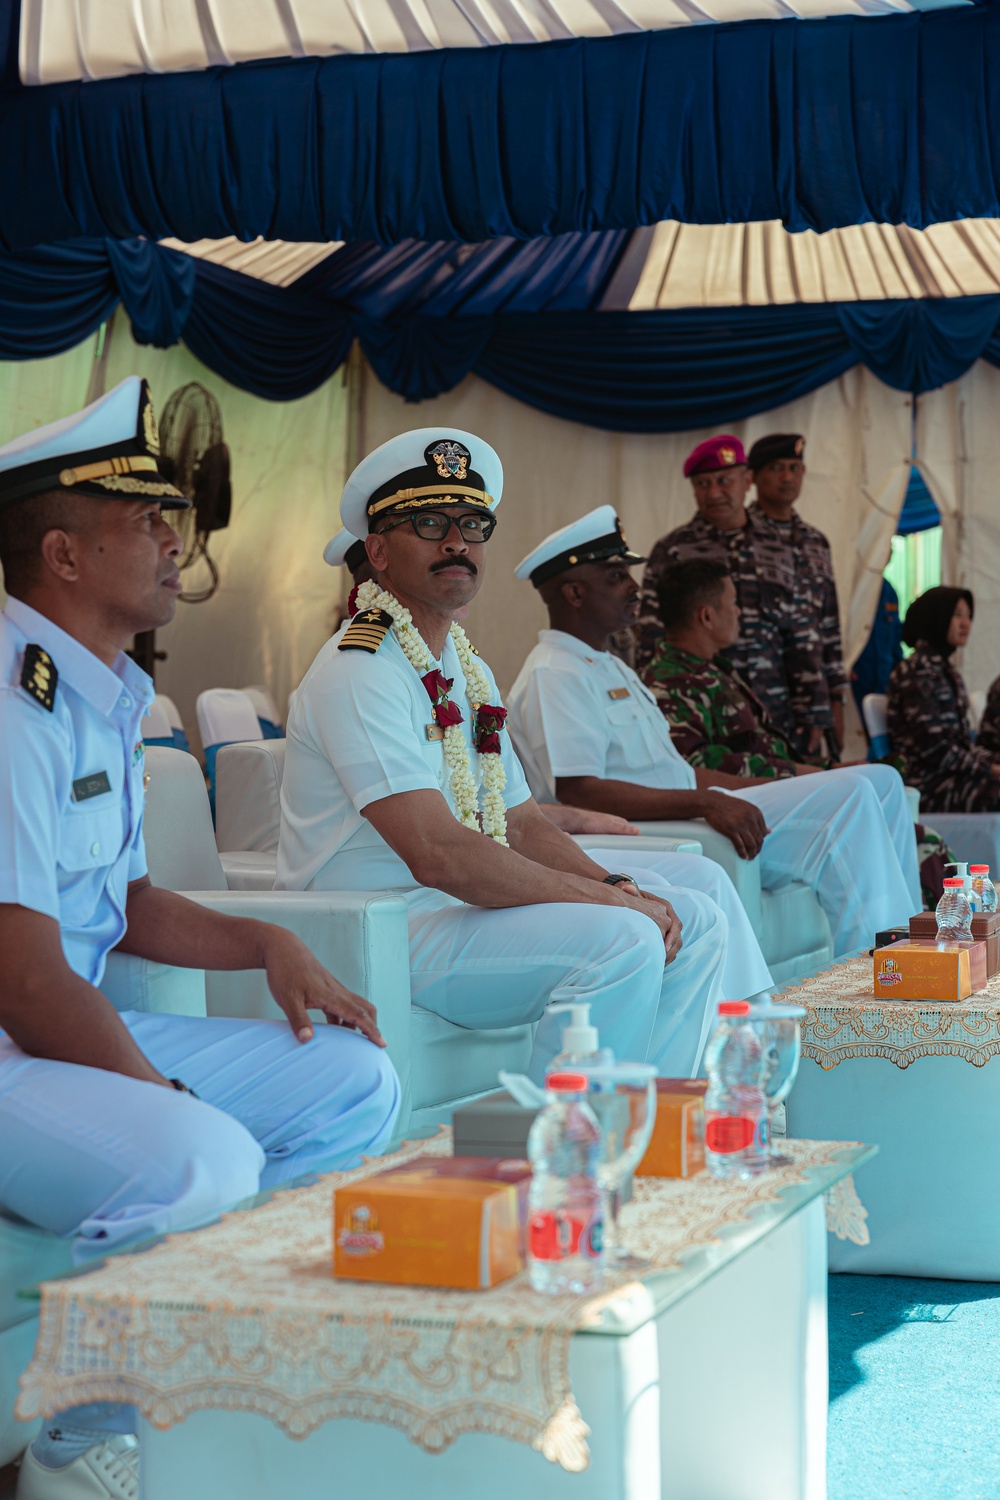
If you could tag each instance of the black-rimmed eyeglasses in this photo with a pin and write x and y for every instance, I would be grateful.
(434, 525)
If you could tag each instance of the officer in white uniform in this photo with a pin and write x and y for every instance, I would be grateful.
(587, 728)
(118, 1126)
(387, 785)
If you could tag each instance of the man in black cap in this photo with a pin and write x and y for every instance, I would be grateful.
(777, 463)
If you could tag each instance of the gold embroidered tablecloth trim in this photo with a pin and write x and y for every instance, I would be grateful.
(245, 1316)
(844, 1019)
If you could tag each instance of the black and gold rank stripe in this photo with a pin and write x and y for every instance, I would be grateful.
(366, 631)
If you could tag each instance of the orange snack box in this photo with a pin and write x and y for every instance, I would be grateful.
(677, 1145)
(926, 970)
(454, 1221)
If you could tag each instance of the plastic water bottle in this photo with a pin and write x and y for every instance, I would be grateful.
(736, 1115)
(565, 1204)
(983, 899)
(954, 914)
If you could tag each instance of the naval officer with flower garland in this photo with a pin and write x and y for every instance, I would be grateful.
(399, 774)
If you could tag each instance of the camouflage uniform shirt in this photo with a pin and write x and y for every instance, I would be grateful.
(812, 561)
(988, 737)
(715, 720)
(928, 714)
(780, 651)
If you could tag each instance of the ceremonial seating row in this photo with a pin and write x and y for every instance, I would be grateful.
(790, 924)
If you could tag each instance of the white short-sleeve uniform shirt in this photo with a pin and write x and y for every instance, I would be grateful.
(356, 733)
(575, 711)
(71, 787)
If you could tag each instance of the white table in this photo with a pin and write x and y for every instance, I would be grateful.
(922, 1080)
(707, 1381)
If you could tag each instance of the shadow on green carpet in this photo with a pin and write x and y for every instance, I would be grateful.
(914, 1389)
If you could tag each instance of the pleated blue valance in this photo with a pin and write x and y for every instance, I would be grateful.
(522, 316)
(821, 124)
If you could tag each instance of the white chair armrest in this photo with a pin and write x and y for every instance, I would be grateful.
(247, 870)
(132, 983)
(744, 873)
(626, 841)
(362, 937)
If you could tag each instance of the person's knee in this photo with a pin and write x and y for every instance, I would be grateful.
(357, 1096)
(215, 1150)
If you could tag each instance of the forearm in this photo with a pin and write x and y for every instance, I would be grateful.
(69, 1021)
(631, 801)
(170, 929)
(531, 834)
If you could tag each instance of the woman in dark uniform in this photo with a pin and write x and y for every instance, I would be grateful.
(929, 710)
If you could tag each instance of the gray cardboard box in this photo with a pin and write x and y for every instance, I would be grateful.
(494, 1126)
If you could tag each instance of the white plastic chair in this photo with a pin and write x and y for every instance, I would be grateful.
(267, 712)
(176, 722)
(156, 726)
(977, 704)
(874, 710)
(225, 717)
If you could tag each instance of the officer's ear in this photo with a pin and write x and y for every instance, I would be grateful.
(61, 553)
(378, 552)
(574, 593)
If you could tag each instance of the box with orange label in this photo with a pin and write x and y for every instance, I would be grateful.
(925, 970)
(436, 1221)
(677, 1145)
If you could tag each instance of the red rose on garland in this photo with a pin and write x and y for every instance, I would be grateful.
(438, 686)
(489, 722)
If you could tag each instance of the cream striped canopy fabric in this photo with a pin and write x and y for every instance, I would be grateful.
(63, 40)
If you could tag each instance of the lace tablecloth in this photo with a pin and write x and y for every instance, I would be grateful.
(246, 1316)
(844, 1019)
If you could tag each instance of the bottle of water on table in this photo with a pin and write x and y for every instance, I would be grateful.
(565, 1203)
(736, 1115)
(983, 899)
(954, 914)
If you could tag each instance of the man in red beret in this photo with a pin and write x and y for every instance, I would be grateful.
(779, 653)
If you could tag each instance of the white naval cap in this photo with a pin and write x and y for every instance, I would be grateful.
(596, 537)
(429, 466)
(344, 550)
(110, 450)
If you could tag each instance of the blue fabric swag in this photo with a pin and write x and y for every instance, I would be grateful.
(524, 316)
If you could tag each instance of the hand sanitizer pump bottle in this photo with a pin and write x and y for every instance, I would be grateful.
(580, 1042)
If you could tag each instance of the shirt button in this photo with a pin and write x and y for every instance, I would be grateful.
(95, 848)
(126, 702)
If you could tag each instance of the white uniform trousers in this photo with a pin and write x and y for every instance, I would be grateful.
(745, 972)
(829, 831)
(891, 792)
(108, 1159)
(483, 968)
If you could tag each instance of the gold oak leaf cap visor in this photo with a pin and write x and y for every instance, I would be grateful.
(595, 537)
(430, 466)
(110, 450)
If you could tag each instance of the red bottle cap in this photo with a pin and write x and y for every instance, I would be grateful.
(734, 1007)
(951, 881)
(568, 1083)
(979, 869)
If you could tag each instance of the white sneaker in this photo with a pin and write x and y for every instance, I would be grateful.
(108, 1471)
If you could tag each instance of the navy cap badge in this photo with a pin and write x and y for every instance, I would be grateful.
(450, 458)
(800, 444)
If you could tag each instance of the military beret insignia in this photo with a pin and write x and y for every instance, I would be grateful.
(450, 459)
(366, 631)
(727, 456)
(800, 444)
(39, 676)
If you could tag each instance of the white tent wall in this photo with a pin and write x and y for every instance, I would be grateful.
(958, 440)
(858, 435)
(276, 601)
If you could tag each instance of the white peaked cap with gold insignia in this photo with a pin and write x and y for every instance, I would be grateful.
(109, 450)
(339, 549)
(596, 537)
(429, 466)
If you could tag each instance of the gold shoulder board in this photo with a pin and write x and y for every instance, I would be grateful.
(366, 631)
(39, 676)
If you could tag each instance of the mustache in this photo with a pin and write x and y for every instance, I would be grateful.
(454, 562)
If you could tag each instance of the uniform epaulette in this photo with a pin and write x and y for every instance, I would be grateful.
(39, 677)
(366, 631)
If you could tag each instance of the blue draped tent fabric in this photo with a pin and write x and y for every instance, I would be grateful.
(820, 124)
(525, 317)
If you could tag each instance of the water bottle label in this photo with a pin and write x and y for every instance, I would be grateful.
(725, 1134)
(556, 1235)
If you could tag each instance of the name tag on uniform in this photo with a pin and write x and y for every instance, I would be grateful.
(617, 693)
(434, 732)
(94, 785)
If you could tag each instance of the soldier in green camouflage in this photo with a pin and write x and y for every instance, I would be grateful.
(716, 721)
(780, 652)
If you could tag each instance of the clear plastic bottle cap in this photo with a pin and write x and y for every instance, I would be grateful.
(737, 1007)
(979, 869)
(951, 882)
(568, 1083)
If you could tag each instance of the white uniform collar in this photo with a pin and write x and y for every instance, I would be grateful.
(79, 668)
(571, 643)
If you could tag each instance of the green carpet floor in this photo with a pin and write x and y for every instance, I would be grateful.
(914, 1389)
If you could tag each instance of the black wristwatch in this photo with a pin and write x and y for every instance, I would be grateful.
(182, 1087)
(620, 879)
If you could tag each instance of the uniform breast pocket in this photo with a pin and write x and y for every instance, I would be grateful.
(628, 734)
(88, 840)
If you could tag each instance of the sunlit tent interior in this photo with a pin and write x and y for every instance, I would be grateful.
(594, 233)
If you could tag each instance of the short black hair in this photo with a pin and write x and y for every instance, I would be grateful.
(684, 587)
(22, 527)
